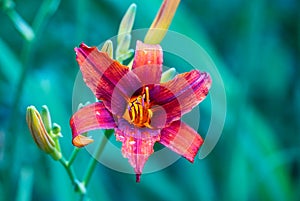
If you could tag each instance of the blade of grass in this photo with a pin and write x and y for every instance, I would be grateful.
(24, 192)
(21, 25)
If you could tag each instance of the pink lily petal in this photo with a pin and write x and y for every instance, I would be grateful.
(182, 139)
(180, 95)
(150, 58)
(90, 117)
(137, 144)
(102, 76)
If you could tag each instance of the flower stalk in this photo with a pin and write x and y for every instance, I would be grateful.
(46, 136)
(94, 159)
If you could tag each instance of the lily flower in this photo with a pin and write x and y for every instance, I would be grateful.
(135, 103)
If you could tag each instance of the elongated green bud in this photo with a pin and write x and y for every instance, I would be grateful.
(124, 35)
(126, 23)
(123, 47)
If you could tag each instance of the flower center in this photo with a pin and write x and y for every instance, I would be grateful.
(139, 110)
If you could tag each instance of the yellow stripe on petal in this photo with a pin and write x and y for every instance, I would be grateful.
(161, 22)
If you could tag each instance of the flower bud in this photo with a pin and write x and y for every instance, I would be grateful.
(108, 48)
(168, 75)
(46, 118)
(125, 55)
(124, 35)
(123, 52)
(56, 130)
(126, 23)
(39, 133)
(162, 21)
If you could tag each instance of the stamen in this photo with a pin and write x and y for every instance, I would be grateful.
(139, 99)
(147, 95)
(139, 110)
(150, 113)
(136, 107)
(141, 114)
(132, 114)
(143, 101)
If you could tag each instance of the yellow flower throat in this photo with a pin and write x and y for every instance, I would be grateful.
(138, 111)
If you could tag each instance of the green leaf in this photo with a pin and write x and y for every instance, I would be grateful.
(21, 25)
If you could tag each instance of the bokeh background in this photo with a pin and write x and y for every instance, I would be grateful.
(256, 47)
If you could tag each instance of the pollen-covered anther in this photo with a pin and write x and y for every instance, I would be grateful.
(139, 110)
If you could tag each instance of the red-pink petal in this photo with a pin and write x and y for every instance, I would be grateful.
(182, 139)
(137, 144)
(102, 76)
(180, 95)
(147, 62)
(99, 71)
(90, 117)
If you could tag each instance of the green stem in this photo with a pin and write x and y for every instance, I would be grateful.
(79, 187)
(69, 170)
(93, 161)
(73, 155)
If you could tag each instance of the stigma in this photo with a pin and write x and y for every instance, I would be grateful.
(138, 111)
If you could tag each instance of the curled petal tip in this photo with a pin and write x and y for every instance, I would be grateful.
(182, 139)
(207, 76)
(83, 48)
(194, 149)
(83, 45)
(90, 117)
(81, 141)
(138, 178)
(208, 81)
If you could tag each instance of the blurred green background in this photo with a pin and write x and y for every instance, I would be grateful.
(256, 47)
